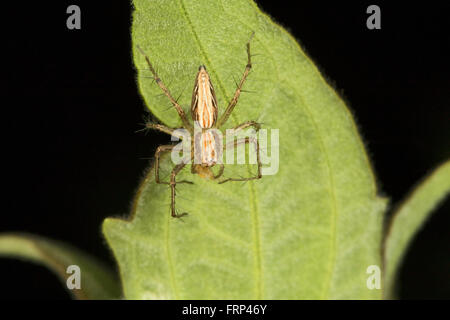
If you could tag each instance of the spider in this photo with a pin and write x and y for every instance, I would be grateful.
(204, 112)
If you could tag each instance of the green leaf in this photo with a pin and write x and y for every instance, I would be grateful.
(410, 217)
(97, 282)
(308, 232)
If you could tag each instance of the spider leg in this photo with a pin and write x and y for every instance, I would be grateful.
(162, 128)
(247, 124)
(220, 173)
(158, 152)
(259, 174)
(236, 129)
(166, 91)
(237, 93)
(173, 183)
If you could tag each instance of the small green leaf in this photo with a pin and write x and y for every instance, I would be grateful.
(410, 217)
(97, 282)
(310, 231)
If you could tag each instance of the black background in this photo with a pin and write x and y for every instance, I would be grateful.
(70, 109)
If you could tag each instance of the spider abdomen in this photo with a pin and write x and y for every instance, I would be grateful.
(208, 149)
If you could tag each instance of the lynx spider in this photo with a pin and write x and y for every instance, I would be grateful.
(204, 111)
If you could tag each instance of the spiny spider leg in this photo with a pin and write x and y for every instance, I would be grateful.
(162, 128)
(220, 173)
(236, 129)
(237, 93)
(247, 124)
(173, 183)
(158, 152)
(166, 91)
(259, 175)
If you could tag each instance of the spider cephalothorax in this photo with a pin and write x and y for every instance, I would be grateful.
(205, 147)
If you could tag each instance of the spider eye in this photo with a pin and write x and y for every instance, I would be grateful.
(202, 67)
